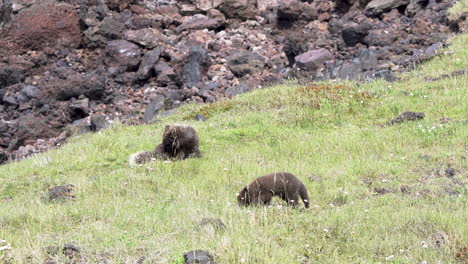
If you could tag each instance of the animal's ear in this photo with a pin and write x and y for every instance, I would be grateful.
(167, 127)
(245, 189)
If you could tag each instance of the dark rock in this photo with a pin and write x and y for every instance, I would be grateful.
(119, 5)
(354, 33)
(428, 53)
(245, 62)
(238, 9)
(200, 118)
(22, 99)
(5, 12)
(407, 116)
(79, 109)
(199, 257)
(290, 11)
(415, 6)
(168, 112)
(31, 126)
(10, 100)
(80, 126)
(191, 73)
(10, 75)
(377, 7)
(238, 89)
(147, 64)
(71, 250)
(217, 224)
(92, 39)
(362, 67)
(380, 37)
(63, 192)
(111, 28)
(147, 37)
(98, 123)
(450, 172)
(152, 108)
(3, 157)
(121, 56)
(200, 22)
(165, 73)
(313, 59)
(381, 191)
(90, 85)
(31, 91)
(387, 75)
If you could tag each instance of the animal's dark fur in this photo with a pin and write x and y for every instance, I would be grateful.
(285, 185)
(179, 142)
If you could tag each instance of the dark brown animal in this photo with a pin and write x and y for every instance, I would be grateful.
(179, 142)
(285, 185)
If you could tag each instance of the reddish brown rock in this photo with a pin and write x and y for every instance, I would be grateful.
(46, 25)
(313, 59)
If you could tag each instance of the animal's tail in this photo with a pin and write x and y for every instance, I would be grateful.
(304, 195)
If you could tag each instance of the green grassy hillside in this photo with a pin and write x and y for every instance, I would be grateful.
(378, 193)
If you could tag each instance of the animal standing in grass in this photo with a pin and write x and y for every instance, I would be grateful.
(283, 184)
(179, 142)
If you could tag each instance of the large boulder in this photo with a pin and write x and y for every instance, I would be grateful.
(165, 73)
(147, 37)
(78, 109)
(354, 33)
(291, 10)
(245, 62)
(90, 85)
(313, 59)
(200, 22)
(10, 74)
(147, 64)
(415, 6)
(238, 9)
(5, 12)
(191, 73)
(46, 25)
(30, 126)
(377, 7)
(121, 56)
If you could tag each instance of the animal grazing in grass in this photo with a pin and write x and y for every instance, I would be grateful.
(179, 142)
(283, 184)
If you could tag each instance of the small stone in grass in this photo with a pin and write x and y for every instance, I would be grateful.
(199, 257)
(407, 116)
(63, 192)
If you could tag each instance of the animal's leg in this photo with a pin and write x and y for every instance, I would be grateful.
(265, 198)
(180, 155)
(293, 199)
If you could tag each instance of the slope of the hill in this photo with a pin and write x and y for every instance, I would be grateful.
(378, 193)
(82, 64)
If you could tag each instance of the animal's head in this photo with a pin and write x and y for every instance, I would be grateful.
(243, 197)
(169, 129)
(169, 134)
